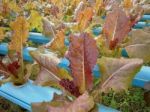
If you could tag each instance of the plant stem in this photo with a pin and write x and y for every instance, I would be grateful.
(22, 64)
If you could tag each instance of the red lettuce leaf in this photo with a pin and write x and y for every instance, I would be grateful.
(3, 69)
(83, 103)
(13, 68)
(116, 26)
(70, 86)
(10, 65)
(82, 55)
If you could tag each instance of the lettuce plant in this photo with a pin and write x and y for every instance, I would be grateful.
(116, 74)
(117, 25)
(12, 65)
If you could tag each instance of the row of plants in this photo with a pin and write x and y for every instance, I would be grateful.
(74, 21)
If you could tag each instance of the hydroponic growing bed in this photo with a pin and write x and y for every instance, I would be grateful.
(80, 50)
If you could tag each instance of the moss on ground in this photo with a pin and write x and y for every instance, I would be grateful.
(7, 106)
(133, 100)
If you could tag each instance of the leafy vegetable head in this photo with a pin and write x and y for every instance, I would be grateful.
(13, 63)
(116, 26)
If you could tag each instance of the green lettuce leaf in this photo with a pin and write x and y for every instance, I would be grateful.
(49, 69)
(117, 74)
(139, 45)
